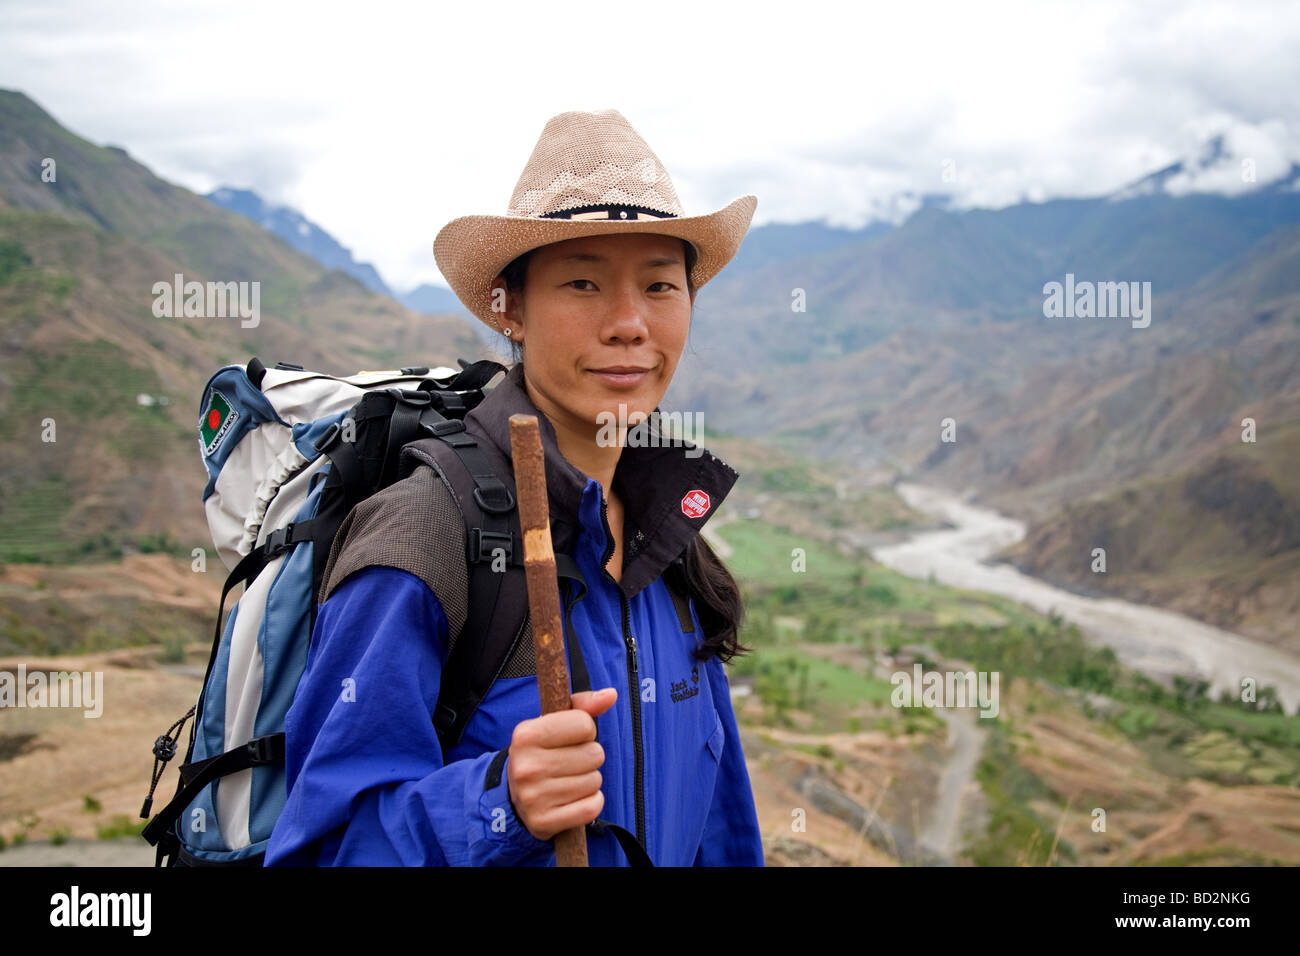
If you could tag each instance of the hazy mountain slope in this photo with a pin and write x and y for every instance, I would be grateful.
(942, 319)
(429, 299)
(906, 328)
(1220, 541)
(300, 233)
(960, 277)
(81, 340)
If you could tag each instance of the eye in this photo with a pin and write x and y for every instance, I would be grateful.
(668, 285)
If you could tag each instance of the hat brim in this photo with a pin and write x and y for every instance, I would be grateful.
(471, 251)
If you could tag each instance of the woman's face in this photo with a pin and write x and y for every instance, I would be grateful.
(600, 302)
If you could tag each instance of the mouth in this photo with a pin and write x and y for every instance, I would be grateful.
(621, 376)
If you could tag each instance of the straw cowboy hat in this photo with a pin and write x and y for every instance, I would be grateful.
(590, 174)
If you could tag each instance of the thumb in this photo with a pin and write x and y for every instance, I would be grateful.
(595, 702)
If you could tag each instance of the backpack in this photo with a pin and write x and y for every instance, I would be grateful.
(289, 453)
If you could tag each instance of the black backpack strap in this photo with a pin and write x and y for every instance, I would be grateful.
(636, 854)
(258, 752)
(498, 600)
(249, 567)
(472, 377)
(496, 615)
(480, 652)
(403, 428)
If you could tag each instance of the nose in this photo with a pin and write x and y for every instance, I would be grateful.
(625, 319)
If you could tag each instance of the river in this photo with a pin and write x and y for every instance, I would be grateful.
(1156, 642)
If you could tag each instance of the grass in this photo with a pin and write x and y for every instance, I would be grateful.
(173, 648)
(1182, 731)
(49, 628)
(120, 826)
(13, 259)
(849, 598)
(1015, 835)
(88, 390)
(787, 679)
(34, 287)
(1214, 856)
(763, 555)
(840, 600)
(1215, 741)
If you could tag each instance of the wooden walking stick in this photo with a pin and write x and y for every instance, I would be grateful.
(543, 595)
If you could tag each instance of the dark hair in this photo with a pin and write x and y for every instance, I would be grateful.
(717, 596)
(717, 601)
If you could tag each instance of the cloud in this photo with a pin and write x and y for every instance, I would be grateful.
(384, 122)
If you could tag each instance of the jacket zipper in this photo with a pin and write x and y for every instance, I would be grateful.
(633, 683)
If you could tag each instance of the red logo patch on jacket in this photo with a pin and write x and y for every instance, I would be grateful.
(696, 503)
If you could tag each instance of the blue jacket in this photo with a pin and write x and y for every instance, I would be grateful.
(367, 781)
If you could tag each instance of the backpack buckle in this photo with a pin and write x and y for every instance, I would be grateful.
(278, 540)
(408, 396)
(260, 750)
(478, 538)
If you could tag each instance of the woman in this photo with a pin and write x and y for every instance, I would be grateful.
(591, 276)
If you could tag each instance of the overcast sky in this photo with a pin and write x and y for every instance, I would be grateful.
(381, 121)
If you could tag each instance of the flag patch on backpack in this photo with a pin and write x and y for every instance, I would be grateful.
(218, 418)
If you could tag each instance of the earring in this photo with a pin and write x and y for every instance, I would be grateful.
(507, 331)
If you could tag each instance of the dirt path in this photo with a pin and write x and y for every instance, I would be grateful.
(966, 741)
(952, 768)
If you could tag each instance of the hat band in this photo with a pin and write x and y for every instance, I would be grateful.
(608, 211)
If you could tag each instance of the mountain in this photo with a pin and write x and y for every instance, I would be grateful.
(776, 243)
(429, 299)
(1089, 429)
(311, 240)
(763, 247)
(80, 254)
(1185, 472)
(1213, 165)
(300, 232)
(943, 318)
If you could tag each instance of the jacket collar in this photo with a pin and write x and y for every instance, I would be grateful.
(657, 485)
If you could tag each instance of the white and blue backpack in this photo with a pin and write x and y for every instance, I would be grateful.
(288, 454)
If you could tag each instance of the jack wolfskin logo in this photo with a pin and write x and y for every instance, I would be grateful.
(680, 690)
(695, 504)
(217, 420)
